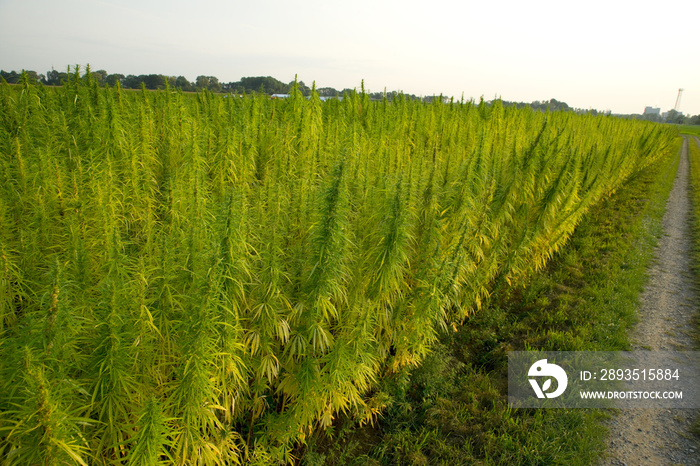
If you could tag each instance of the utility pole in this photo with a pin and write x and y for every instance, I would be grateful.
(678, 99)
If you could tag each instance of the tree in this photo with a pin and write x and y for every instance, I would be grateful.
(55, 78)
(112, 79)
(202, 82)
(327, 92)
(303, 88)
(12, 77)
(153, 81)
(100, 76)
(182, 83)
(674, 116)
(131, 82)
(268, 84)
(33, 76)
(214, 84)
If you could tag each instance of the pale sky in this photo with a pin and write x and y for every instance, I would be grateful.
(614, 55)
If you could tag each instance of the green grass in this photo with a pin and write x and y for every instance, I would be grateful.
(690, 129)
(694, 157)
(453, 408)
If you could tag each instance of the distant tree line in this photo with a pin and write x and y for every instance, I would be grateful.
(264, 84)
(551, 105)
(269, 85)
(672, 116)
(247, 85)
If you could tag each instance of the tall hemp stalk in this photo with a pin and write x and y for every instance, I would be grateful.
(207, 279)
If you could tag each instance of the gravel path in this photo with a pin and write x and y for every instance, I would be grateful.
(661, 436)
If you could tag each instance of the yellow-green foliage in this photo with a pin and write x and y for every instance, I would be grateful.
(200, 279)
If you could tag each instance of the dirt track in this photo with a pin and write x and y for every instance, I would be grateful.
(661, 436)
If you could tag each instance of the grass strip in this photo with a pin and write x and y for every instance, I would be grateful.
(690, 129)
(694, 157)
(453, 409)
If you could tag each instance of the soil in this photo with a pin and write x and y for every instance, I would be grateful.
(670, 299)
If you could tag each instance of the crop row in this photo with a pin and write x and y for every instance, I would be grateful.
(198, 279)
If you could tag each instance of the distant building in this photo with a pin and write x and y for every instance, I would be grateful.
(652, 111)
(279, 96)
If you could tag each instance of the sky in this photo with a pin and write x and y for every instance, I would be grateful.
(615, 55)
